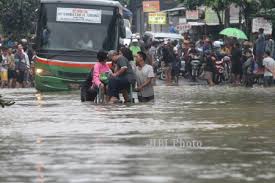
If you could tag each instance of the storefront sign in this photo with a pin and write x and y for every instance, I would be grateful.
(211, 17)
(78, 15)
(151, 6)
(157, 18)
(183, 27)
(192, 14)
(262, 23)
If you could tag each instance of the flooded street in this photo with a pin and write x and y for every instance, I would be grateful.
(190, 134)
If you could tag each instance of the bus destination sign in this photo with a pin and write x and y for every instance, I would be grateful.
(78, 15)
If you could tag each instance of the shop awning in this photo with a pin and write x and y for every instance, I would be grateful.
(174, 9)
(196, 23)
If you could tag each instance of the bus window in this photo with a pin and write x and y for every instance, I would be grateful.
(73, 35)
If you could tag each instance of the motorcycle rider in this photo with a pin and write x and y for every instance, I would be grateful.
(193, 55)
(217, 45)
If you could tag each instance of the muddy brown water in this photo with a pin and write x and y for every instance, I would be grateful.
(189, 134)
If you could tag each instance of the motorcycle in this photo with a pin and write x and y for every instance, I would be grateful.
(182, 67)
(159, 69)
(195, 64)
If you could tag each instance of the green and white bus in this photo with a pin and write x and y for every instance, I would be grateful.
(69, 34)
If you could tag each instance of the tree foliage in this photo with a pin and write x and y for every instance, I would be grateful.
(17, 16)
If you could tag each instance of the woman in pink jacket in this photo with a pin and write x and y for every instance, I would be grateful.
(100, 68)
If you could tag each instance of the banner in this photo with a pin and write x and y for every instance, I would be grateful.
(192, 14)
(151, 6)
(78, 15)
(157, 18)
(260, 22)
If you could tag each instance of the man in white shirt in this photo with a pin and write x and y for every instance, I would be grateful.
(269, 65)
(22, 66)
(144, 77)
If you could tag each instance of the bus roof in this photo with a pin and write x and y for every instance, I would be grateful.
(92, 2)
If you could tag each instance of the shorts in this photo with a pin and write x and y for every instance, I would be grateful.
(20, 76)
(268, 81)
(236, 69)
(4, 75)
(11, 74)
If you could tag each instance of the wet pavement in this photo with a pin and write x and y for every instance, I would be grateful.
(190, 134)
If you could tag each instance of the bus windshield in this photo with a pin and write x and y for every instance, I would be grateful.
(77, 27)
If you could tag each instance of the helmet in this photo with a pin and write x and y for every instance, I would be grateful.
(226, 58)
(217, 44)
(24, 40)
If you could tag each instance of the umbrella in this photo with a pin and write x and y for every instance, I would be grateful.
(233, 32)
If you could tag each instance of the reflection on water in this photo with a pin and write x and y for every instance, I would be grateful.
(192, 134)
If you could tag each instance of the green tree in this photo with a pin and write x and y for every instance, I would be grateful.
(248, 10)
(17, 16)
(192, 4)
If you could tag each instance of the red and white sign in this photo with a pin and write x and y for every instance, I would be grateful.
(192, 14)
(151, 6)
(184, 27)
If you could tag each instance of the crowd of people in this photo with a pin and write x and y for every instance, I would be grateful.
(247, 62)
(135, 66)
(16, 64)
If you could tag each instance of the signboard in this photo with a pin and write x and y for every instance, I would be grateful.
(192, 14)
(211, 17)
(260, 22)
(183, 27)
(151, 6)
(234, 14)
(157, 18)
(78, 15)
(182, 20)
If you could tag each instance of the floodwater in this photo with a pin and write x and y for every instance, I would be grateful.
(190, 134)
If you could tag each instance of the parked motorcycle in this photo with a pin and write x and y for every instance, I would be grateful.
(195, 63)
(219, 75)
(159, 69)
(182, 67)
